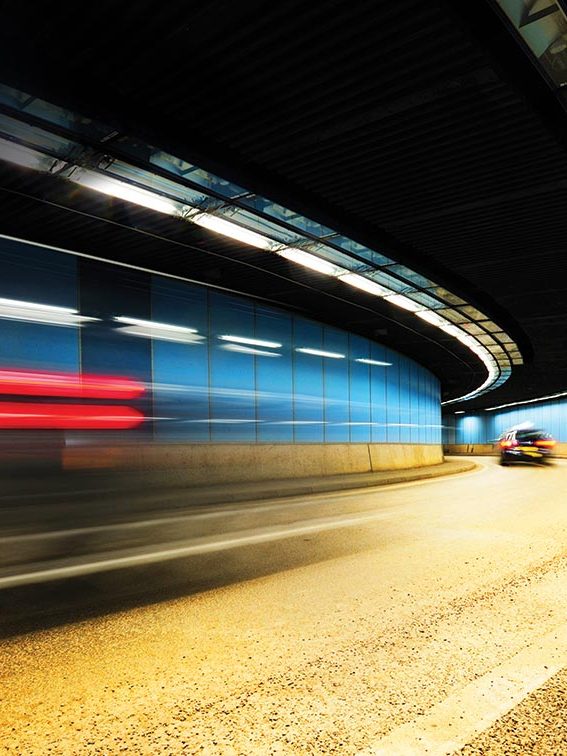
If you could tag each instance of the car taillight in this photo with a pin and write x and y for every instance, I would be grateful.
(549, 443)
(507, 444)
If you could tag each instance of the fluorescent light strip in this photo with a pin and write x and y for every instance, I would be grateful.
(309, 261)
(459, 412)
(373, 362)
(528, 401)
(405, 302)
(249, 350)
(364, 284)
(232, 230)
(253, 342)
(321, 353)
(431, 317)
(153, 325)
(125, 191)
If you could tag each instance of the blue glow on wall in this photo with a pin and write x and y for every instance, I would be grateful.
(204, 388)
(485, 427)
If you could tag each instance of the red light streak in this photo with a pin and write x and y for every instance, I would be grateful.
(21, 415)
(72, 385)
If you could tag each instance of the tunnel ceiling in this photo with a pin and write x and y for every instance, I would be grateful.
(419, 129)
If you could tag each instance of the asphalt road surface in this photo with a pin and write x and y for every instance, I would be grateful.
(424, 618)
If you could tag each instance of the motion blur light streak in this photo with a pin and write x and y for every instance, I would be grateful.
(249, 350)
(252, 342)
(36, 383)
(366, 361)
(21, 415)
(153, 324)
(149, 329)
(321, 353)
(15, 309)
(161, 335)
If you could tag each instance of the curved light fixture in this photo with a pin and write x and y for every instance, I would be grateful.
(174, 187)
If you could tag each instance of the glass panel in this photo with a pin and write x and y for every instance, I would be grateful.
(503, 338)
(487, 340)
(445, 295)
(274, 377)
(400, 287)
(34, 136)
(378, 382)
(348, 245)
(453, 315)
(154, 182)
(393, 397)
(425, 300)
(359, 390)
(181, 371)
(410, 275)
(405, 391)
(488, 325)
(35, 274)
(473, 313)
(233, 405)
(308, 383)
(336, 385)
(474, 329)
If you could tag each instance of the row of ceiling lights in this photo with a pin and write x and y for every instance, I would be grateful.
(497, 362)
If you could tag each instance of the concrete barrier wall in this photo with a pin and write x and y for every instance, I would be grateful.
(197, 464)
(480, 449)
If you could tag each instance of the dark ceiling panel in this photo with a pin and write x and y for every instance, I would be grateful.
(414, 127)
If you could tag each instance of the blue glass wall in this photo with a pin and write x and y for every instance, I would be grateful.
(219, 368)
(486, 427)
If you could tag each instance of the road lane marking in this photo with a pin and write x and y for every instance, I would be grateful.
(268, 505)
(168, 552)
(450, 725)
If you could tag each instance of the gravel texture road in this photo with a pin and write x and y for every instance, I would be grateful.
(435, 623)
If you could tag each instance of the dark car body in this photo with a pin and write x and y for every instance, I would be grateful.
(525, 446)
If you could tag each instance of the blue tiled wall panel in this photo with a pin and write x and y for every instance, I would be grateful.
(232, 380)
(393, 409)
(208, 389)
(336, 387)
(378, 382)
(274, 377)
(485, 427)
(181, 370)
(308, 403)
(43, 276)
(360, 400)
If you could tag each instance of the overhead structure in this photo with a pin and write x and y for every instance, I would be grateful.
(40, 136)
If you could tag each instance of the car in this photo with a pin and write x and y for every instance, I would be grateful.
(526, 445)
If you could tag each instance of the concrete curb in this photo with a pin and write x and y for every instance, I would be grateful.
(305, 486)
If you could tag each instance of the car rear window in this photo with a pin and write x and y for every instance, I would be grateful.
(532, 435)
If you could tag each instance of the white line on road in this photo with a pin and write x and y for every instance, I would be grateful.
(461, 717)
(69, 569)
(229, 509)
